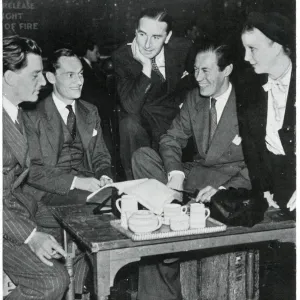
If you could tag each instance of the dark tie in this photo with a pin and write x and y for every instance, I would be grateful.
(156, 70)
(212, 119)
(71, 121)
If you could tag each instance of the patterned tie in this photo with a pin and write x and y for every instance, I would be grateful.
(156, 70)
(212, 120)
(71, 122)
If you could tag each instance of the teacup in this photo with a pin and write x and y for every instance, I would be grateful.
(173, 209)
(129, 205)
(180, 222)
(198, 215)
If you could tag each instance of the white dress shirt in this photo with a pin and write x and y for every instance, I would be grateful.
(176, 177)
(11, 109)
(277, 98)
(221, 102)
(61, 107)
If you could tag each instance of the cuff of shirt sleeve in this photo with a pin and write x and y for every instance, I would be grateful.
(30, 236)
(73, 184)
(175, 179)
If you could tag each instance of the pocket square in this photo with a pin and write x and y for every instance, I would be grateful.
(185, 73)
(94, 132)
(237, 140)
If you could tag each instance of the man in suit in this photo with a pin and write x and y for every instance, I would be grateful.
(30, 254)
(69, 159)
(94, 88)
(150, 73)
(209, 116)
(268, 113)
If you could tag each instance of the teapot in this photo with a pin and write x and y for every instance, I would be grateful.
(144, 221)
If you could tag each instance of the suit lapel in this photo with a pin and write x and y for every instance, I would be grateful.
(52, 122)
(226, 131)
(201, 124)
(171, 67)
(85, 124)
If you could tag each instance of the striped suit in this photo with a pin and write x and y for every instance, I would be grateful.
(21, 214)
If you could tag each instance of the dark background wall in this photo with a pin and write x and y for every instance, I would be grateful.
(56, 23)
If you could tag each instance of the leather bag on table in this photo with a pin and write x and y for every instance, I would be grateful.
(238, 207)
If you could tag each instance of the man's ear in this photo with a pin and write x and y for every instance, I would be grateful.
(227, 71)
(10, 77)
(51, 77)
(168, 37)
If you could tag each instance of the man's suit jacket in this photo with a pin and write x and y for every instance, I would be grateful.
(20, 205)
(45, 140)
(94, 90)
(252, 114)
(223, 164)
(133, 85)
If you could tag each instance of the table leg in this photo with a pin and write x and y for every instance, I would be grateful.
(101, 268)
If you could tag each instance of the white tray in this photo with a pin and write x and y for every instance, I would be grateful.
(212, 225)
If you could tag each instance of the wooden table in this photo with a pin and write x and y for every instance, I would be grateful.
(110, 250)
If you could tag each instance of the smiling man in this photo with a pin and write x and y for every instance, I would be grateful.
(209, 116)
(69, 159)
(268, 116)
(150, 82)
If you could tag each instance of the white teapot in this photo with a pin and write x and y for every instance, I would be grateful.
(144, 221)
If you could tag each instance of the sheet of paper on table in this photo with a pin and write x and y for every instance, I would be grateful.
(151, 193)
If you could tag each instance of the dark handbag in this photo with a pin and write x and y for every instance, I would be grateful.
(238, 207)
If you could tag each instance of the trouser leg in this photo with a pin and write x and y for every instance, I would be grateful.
(146, 163)
(132, 136)
(33, 278)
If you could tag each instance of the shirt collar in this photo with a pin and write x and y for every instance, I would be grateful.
(10, 108)
(224, 97)
(160, 58)
(60, 105)
(283, 80)
(87, 61)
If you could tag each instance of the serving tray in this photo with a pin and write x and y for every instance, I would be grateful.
(164, 231)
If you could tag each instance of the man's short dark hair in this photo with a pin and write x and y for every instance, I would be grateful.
(53, 59)
(89, 44)
(15, 51)
(157, 14)
(222, 51)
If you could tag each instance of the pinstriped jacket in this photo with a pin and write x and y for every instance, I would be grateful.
(18, 210)
(20, 201)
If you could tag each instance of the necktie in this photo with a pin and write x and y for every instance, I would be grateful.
(278, 91)
(156, 70)
(212, 119)
(71, 121)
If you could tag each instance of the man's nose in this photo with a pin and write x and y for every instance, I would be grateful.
(199, 76)
(148, 43)
(42, 80)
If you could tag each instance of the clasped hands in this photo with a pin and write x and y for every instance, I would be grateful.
(291, 205)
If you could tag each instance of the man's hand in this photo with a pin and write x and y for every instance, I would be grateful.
(269, 197)
(89, 184)
(292, 202)
(205, 194)
(145, 61)
(104, 180)
(45, 247)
